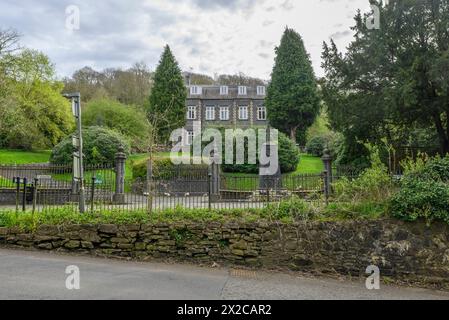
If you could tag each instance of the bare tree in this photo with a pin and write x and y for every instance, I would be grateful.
(156, 122)
(9, 41)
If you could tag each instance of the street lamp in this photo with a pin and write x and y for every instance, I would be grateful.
(78, 168)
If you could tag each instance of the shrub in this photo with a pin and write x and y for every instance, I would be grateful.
(374, 184)
(427, 199)
(294, 208)
(288, 158)
(316, 146)
(127, 120)
(99, 145)
(424, 191)
(164, 168)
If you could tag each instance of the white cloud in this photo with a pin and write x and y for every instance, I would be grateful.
(221, 36)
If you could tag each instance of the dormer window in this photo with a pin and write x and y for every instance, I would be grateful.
(261, 90)
(242, 91)
(196, 90)
(224, 90)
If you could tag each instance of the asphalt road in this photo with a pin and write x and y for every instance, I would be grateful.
(36, 275)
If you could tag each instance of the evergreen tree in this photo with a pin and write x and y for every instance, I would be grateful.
(168, 97)
(292, 97)
(392, 81)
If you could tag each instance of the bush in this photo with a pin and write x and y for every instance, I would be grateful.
(424, 191)
(288, 158)
(316, 146)
(292, 209)
(164, 168)
(374, 184)
(99, 145)
(351, 154)
(127, 120)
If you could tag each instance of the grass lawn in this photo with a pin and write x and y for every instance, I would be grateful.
(310, 164)
(23, 157)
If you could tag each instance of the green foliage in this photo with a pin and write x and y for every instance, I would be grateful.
(374, 91)
(316, 146)
(128, 120)
(292, 98)
(33, 114)
(354, 210)
(288, 158)
(351, 153)
(164, 168)
(293, 209)
(424, 192)
(23, 157)
(100, 146)
(167, 109)
(373, 185)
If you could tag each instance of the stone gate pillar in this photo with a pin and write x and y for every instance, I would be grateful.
(120, 160)
(327, 161)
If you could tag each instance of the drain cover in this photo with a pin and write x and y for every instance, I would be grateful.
(240, 273)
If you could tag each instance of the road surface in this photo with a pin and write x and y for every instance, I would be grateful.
(37, 275)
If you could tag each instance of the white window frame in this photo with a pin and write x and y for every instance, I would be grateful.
(261, 90)
(190, 137)
(243, 113)
(196, 90)
(224, 111)
(261, 111)
(224, 90)
(243, 90)
(210, 113)
(191, 113)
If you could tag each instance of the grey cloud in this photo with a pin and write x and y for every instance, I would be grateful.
(340, 34)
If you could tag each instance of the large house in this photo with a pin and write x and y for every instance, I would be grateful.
(225, 107)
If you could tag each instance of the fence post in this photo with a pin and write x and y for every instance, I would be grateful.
(36, 181)
(214, 171)
(16, 180)
(92, 193)
(209, 188)
(325, 175)
(24, 199)
(150, 186)
(327, 161)
(120, 159)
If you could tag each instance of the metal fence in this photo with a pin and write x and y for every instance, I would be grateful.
(46, 187)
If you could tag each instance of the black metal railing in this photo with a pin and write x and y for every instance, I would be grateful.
(47, 187)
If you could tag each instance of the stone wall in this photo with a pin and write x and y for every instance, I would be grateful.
(411, 252)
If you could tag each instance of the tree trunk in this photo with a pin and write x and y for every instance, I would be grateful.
(293, 132)
(444, 140)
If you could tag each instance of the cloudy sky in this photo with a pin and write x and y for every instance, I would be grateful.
(207, 36)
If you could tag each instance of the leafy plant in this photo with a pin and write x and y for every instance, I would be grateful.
(374, 184)
(127, 120)
(100, 146)
(424, 192)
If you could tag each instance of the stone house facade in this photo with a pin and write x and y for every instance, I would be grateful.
(225, 107)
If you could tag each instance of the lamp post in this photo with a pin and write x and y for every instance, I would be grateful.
(78, 167)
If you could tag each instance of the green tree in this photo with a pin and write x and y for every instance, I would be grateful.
(394, 80)
(292, 97)
(34, 113)
(168, 96)
(130, 121)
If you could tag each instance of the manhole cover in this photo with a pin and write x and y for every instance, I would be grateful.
(243, 273)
